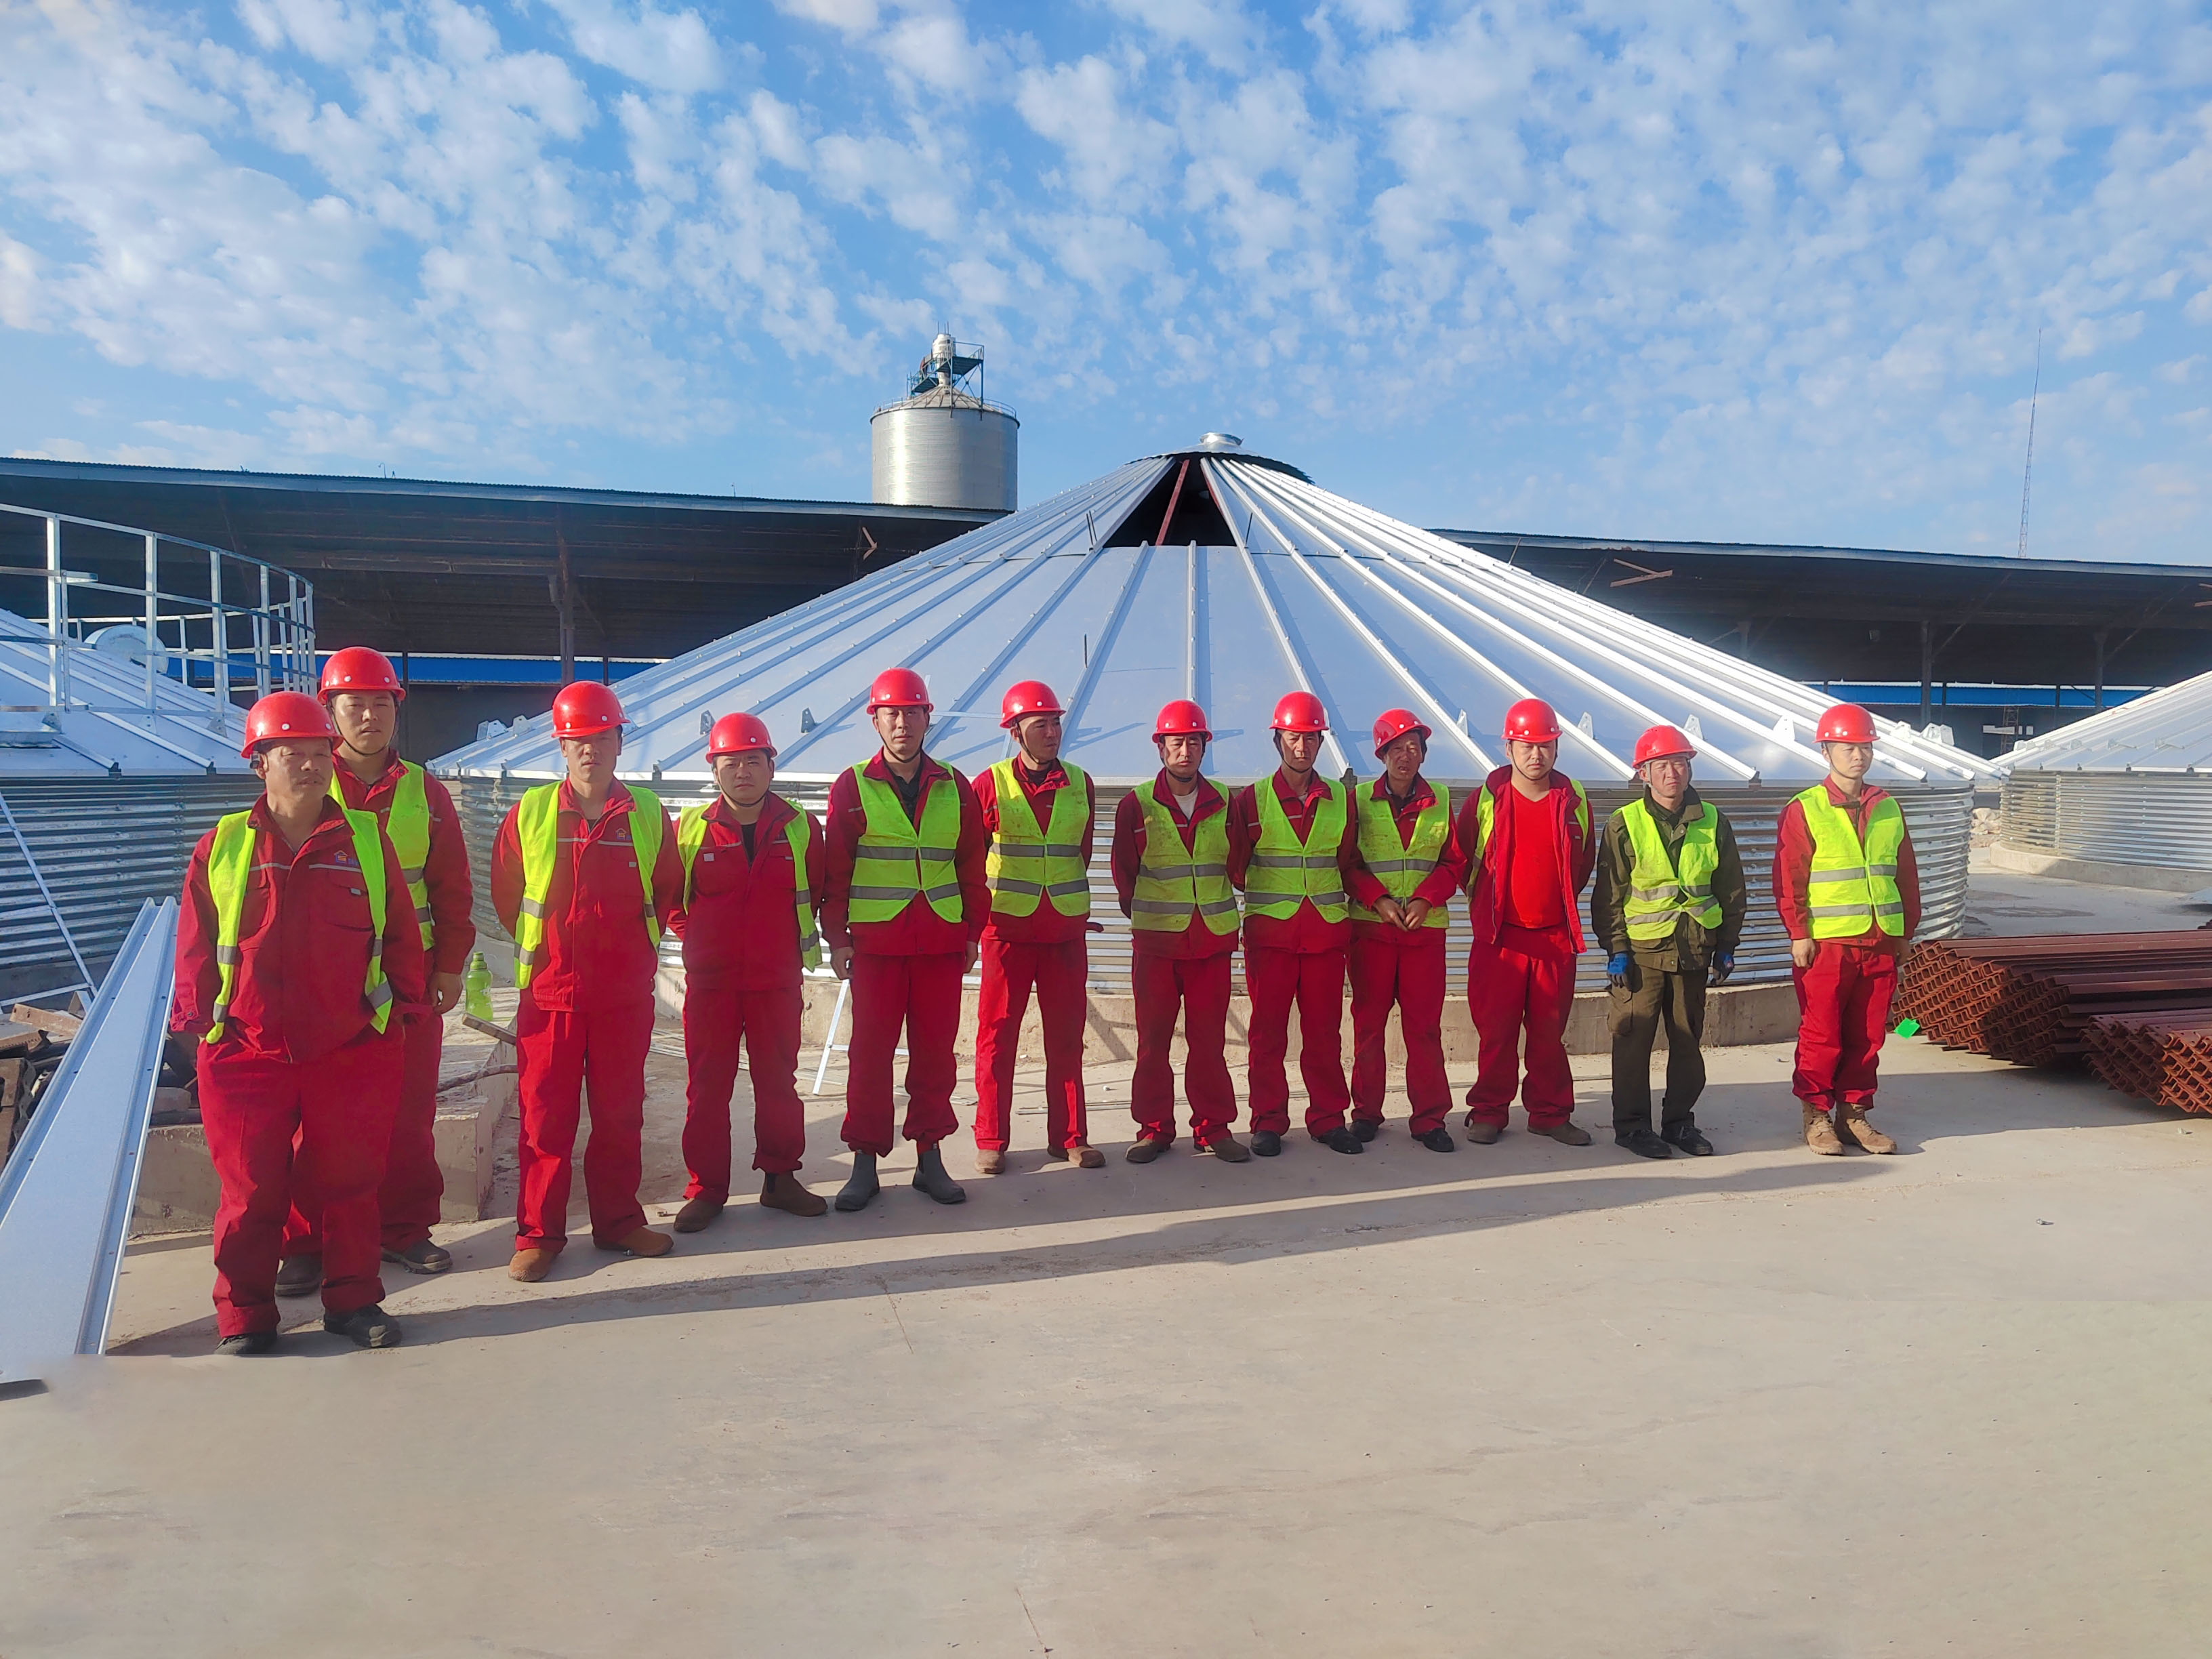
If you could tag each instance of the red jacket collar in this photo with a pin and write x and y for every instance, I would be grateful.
(776, 813)
(1501, 779)
(881, 772)
(1316, 785)
(1422, 795)
(262, 819)
(1207, 798)
(1868, 794)
(619, 799)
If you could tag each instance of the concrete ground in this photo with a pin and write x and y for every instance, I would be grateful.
(2007, 904)
(1519, 1400)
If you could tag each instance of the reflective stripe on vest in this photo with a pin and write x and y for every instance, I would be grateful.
(407, 822)
(538, 828)
(1027, 864)
(1173, 885)
(1485, 817)
(1283, 873)
(896, 862)
(1399, 866)
(1658, 893)
(230, 867)
(691, 836)
(1852, 888)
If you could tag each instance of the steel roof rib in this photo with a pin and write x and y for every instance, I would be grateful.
(979, 685)
(1307, 677)
(1108, 636)
(2167, 730)
(1422, 691)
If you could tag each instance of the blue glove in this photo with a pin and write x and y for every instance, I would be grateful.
(1723, 965)
(1616, 971)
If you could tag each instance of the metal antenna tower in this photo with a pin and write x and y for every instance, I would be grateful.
(2027, 467)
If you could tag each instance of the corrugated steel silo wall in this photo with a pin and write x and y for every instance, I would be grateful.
(1939, 821)
(105, 845)
(935, 455)
(2158, 819)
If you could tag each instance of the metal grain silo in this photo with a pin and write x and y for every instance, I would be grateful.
(1226, 577)
(943, 445)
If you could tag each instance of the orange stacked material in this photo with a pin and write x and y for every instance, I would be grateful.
(2031, 999)
(2165, 1058)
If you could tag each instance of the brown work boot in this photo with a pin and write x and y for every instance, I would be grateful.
(697, 1213)
(1083, 1156)
(781, 1190)
(1851, 1121)
(642, 1241)
(1145, 1148)
(1228, 1149)
(1480, 1132)
(990, 1161)
(1569, 1134)
(530, 1266)
(1819, 1133)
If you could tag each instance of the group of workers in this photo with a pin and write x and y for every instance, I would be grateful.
(324, 934)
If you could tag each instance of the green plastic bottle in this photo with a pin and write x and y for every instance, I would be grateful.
(477, 988)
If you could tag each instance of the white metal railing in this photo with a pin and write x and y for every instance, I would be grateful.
(240, 618)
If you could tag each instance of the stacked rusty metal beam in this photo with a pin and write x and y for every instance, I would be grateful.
(2162, 1057)
(2031, 999)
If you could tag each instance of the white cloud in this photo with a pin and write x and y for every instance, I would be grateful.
(670, 52)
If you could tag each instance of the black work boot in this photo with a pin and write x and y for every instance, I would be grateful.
(1266, 1143)
(930, 1177)
(1342, 1140)
(299, 1275)
(1686, 1137)
(365, 1327)
(1643, 1143)
(1440, 1140)
(248, 1343)
(1366, 1128)
(421, 1257)
(861, 1191)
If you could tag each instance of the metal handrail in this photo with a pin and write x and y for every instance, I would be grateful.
(279, 634)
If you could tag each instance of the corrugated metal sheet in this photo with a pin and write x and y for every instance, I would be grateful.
(108, 727)
(1938, 820)
(106, 845)
(2158, 819)
(2168, 730)
(1311, 591)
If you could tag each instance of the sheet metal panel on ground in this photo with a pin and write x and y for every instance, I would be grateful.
(1305, 589)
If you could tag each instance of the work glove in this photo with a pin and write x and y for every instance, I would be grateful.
(1616, 971)
(1723, 965)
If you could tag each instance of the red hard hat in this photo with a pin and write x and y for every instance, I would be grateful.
(1531, 721)
(733, 734)
(1181, 719)
(281, 715)
(1300, 711)
(1029, 697)
(1846, 722)
(358, 668)
(584, 709)
(1661, 741)
(1393, 724)
(898, 688)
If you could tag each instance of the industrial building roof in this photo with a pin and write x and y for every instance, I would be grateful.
(108, 726)
(1231, 579)
(2168, 730)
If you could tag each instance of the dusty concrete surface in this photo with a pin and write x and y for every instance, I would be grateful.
(1519, 1400)
(2010, 902)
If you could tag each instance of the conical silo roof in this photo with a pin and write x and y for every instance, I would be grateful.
(108, 726)
(1231, 579)
(2169, 730)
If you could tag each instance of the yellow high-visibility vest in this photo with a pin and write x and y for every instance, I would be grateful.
(407, 822)
(691, 836)
(538, 827)
(230, 868)
(897, 860)
(1853, 888)
(1285, 871)
(1659, 893)
(1173, 885)
(1026, 863)
(1401, 868)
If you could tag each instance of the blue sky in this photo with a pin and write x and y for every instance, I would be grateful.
(1661, 270)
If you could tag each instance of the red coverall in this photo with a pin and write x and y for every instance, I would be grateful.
(1049, 951)
(905, 971)
(408, 1200)
(1302, 961)
(1527, 932)
(741, 978)
(1405, 967)
(1843, 998)
(300, 1086)
(1188, 971)
(585, 1017)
